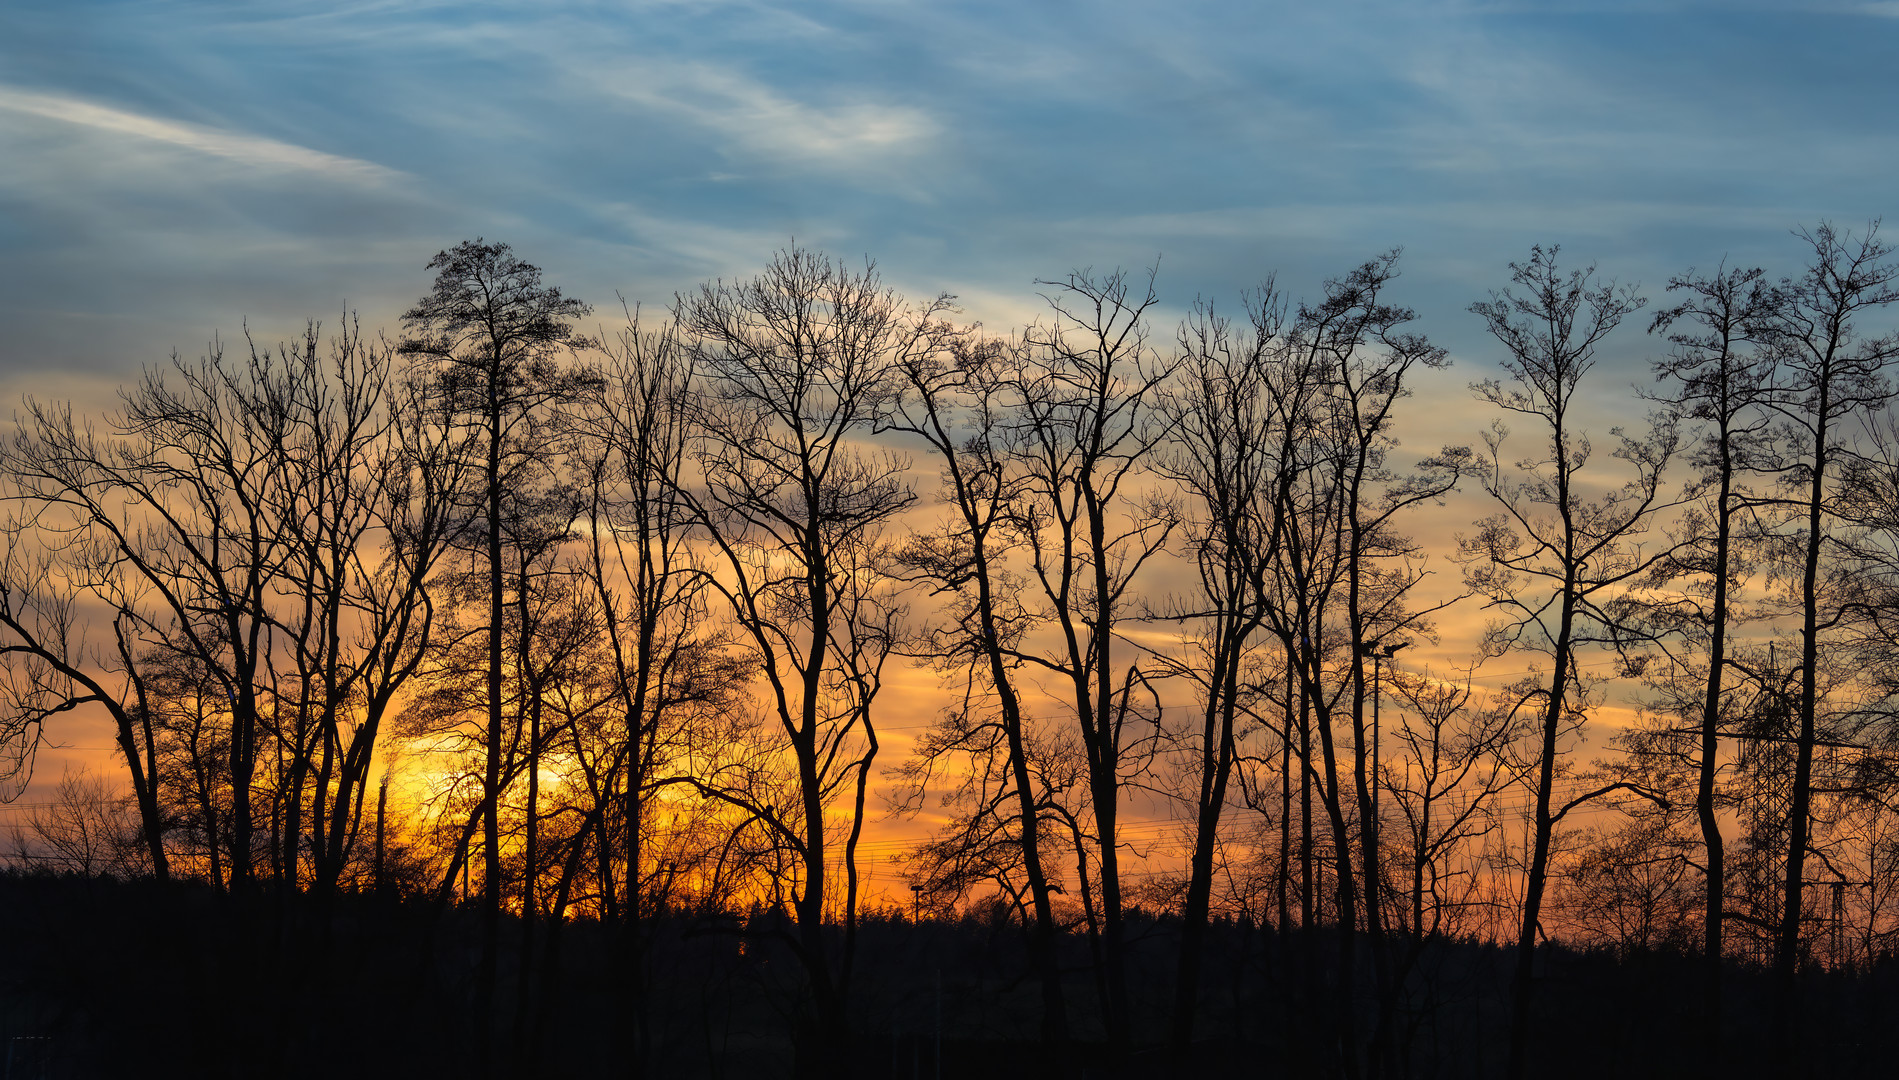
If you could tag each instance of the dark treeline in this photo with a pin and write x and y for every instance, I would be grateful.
(523, 685)
(172, 992)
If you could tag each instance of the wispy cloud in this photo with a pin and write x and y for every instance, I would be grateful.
(252, 150)
(708, 249)
(758, 120)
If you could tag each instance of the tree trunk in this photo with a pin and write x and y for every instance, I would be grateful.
(1523, 996)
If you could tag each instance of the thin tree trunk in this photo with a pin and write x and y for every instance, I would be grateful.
(487, 970)
(1523, 990)
(1715, 893)
(1218, 753)
(1799, 813)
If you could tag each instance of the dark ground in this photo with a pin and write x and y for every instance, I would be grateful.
(101, 978)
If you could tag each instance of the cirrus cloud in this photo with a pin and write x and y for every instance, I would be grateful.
(252, 150)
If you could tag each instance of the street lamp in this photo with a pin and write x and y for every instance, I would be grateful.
(1378, 657)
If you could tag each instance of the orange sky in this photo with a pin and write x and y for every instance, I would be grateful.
(1442, 411)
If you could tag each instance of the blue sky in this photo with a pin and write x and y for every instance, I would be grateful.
(173, 169)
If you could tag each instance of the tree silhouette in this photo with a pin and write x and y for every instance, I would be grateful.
(484, 343)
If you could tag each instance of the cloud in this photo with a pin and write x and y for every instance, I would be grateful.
(700, 248)
(251, 150)
(760, 121)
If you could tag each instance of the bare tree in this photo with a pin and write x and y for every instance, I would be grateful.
(484, 341)
(170, 523)
(365, 508)
(1086, 424)
(52, 661)
(957, 400)
(1337, 574)
(86, 827)
(1554, 563)
(1223, 456)
(1444, 787)
(666, 663)
(798, 364)
(263, 532)
(1628, 888)
(1718, 377)
(1830, 371)
(1370, 357)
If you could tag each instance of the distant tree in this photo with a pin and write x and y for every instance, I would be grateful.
(1444, 784)
(1628, 889)
(86, 827)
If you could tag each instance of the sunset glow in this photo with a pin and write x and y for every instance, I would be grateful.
(903, 540)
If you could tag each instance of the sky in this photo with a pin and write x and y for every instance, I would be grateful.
(173, 171)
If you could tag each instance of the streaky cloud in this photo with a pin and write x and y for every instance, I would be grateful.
(759, 120)
(252, 150)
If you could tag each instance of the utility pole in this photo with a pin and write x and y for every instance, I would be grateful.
(1839, 919)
